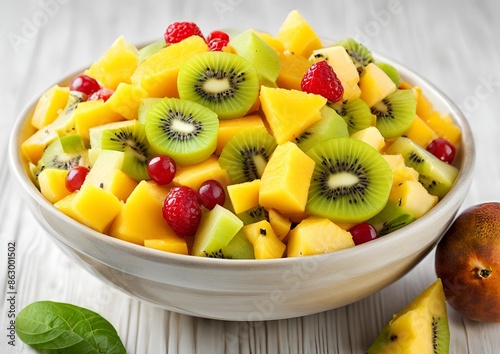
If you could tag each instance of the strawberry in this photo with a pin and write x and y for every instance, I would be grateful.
(182, 211)
(320, 79)
(178, 31)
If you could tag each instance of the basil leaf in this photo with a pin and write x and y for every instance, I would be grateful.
(55, 327)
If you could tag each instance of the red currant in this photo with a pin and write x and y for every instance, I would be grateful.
(84, 83)
(442, 149)
(362, 233)
(182, 211)
(162, 169)
(211, 193)
(75, 177)
(217, 44)
(217, 34)
(101, 94)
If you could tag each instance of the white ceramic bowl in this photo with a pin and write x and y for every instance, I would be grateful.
(251, 289)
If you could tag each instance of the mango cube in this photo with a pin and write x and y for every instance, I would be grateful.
(171, 243)
(91, 114)
(244, 196)
(413, 197)
(265, 243)
(286, 179)
(375, 85)
(316, 235)
(293, 68)
(52, 184)
(371, 136)
(229, 127)
(280, 224)
(194, 175)
(126, 99)
(297, 35)
(49, 106)
(420, 132)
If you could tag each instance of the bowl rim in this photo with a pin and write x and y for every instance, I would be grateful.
(457, 194)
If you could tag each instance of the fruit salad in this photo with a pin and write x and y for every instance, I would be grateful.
(250, 145)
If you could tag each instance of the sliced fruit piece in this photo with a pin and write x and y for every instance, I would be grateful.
(282, 186)
(421, 327)
(150, 49)
(65, 153)
(420, 132)
(144, 107)
(280, 224)
(255, 214)
(126, 99)
(331, 125)
(435, 175)
(263, 57)
(360, 54)
(49, 106)
(244, 196)
(400, 172)
(375, 85)
(238, 248)
(183, 130)
(390, 219)
(356, 114)
(293, 67)
(265, 242)
(246, 154)
(52, 184)
(230, 127)
(194, 175)
(116, 65)
(171, 243)
(217, 228)
(91, 114)
(158, 74)
(371, 136)
(391, 71)
(297, 35)
(316, 235)
(395, 113)
(281, 108)
(351, 181)
(413, 197)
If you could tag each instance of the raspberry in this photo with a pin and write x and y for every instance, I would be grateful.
(320, 79)
(182, 211)
(178, 31)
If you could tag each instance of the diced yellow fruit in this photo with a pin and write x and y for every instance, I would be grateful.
(290, 112)
(126, 99)
(297, 35)
(375, 85)
(316, 235)
(141, 217)
(244, 196)
(444, 127)
(424, 106)
(272, 41)
(371, 136)
(116, 65)
(420, 132)
(413, 197)
(286, 179)
(293, 68)
(344, 68)
(120, 184)
(92, 207)
(49, 106)
(229, 127)
(34, 146)
(280, 224)
(400, 172)
(52, 182)
(194, 175)
(91, 114)
(265, 242)
(171, 243)
(158, 74)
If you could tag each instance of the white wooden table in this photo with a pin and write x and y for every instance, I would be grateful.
(452, 43)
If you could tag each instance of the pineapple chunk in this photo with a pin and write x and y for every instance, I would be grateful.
(116, 65)
(375, 85)
(92, 207)
(285, 182)
(171, 243)
(371, 136)
(49, 106)
(272, 41)
(229, 127)
(126, 99)
(400, 172)
(293, 68)
(297, 35)
(91, 114)
(244, 196)
(194, 175)
(316, 235)
(264, 240)
(420, 132)
(52, 182)
(290, 112)
(413, 197)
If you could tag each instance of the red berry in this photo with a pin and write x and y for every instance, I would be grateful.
(84, 83)
(442, 149)
(101, 94)
(76, 177)
(211, 193)
(362, 233)
(320, 79)
(178, 31)
(161, 169)
(217, 44)
(182, 211)
(217, 34)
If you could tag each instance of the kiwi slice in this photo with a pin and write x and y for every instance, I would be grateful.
(331, 125)
(391, 72)
(65, 153)
(360, 55)
(186, 131)
(435, 175)
(246, 154)
(129, 137)
(238, 248)
(356, 114)
(254, 214)
(390, 219)
(351, 181)
(226, 83)
(395, 113)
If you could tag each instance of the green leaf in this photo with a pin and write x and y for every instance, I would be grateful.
(54, 327)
